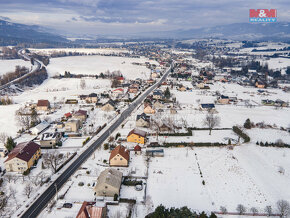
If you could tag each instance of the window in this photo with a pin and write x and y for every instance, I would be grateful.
(121, 158)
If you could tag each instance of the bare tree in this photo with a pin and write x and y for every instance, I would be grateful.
(211, 121)
(254, 211)
(12, 195)
(268, 210)
(3, 137)
(3, 204)
(8, 177)
(241, 209)
(83, 84)
(28, 190)
(24, 120)
(283, 208)
(223, 210)
(53, 160)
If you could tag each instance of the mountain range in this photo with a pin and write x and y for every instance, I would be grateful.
(13, 33)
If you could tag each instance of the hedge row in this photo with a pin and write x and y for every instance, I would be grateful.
(240, 133)
(132, 182)
(198, 144)
(279, 145)
(189, 131)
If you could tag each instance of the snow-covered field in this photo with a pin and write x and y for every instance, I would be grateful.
(88, 51)
(278, 64)
(247, 175)
(9, 65)
(97, 64)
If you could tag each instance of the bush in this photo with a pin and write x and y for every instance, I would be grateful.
(88, 172)
(240, 133)
(86, 141)
(132, 182)
(203, 182)
(26, 172)
(1, 181)
(117, 136)
(115, 197)
(105, 161)
(81, 184)
(106, 146)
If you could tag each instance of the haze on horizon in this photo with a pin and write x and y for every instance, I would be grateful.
(109, 17)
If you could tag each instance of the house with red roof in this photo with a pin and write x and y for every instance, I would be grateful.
(92, 210)
(42, 105)
(80, 115)
(120, 157)
(22, 157)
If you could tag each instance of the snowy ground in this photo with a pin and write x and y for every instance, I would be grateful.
(86, 51)
(278, 64)
(9, 65)
(97, 64)
(247, 175)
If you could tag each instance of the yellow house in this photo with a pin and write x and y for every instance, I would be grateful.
(137, 136)
(119, 157)
(149, 110)
(22, 157)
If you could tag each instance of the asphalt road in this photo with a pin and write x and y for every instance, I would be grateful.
(43, 199)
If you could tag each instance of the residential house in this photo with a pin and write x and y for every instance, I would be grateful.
(71, 101)
(118, 93)
(92, 210)
(223, 99)
(108, 183)
(22, 157)
(182, 89)
(260, 84)
(68, 115)
(155, 152)
(164, 128)
(137, 136)
(200, 85)
(143, 120)
(119, 157)
(149, 109)
(133, 89)
(80, 115)
(39, 128)
(137, 149)
(173, 110)
(43, 105)
(49, 140)
(92, 98)
(207, 106)
(157, 95)
(158, 104)
(72, 125)
(109, 106)
(3, 152)
(120, 79)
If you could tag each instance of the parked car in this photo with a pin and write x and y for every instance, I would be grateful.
(67, 205)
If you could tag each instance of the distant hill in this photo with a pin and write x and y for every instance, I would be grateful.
(279, 31)
(14, 34)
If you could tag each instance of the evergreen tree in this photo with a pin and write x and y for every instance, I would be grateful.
(247, 124)
(167, 93)
(10, 144)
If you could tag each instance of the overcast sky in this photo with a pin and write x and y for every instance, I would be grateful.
(134, 16)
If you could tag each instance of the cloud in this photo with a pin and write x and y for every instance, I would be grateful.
(134, 15)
